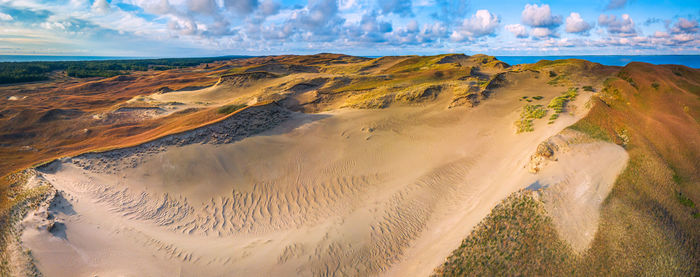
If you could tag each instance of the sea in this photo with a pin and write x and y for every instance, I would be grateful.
(615, 60)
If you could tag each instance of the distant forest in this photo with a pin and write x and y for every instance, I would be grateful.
(18, 72)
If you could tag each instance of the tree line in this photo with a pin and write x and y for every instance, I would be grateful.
(18, 72)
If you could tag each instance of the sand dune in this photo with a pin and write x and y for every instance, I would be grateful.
(276, 193)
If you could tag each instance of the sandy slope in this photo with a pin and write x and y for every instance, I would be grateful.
(348, 192)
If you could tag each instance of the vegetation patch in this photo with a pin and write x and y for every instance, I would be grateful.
(684, 200)
(516, 239)
(624, 75)
(559, 80)
(558, 104)
(529, 113)
(227, 109)
(15, 201)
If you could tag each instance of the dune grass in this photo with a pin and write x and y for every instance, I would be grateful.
(227, 109)
(529, 113)
(516, 239)
(558, 104)
(15, 201)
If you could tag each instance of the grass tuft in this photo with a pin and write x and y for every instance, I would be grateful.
(529, 113)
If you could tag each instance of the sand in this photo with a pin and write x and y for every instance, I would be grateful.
(346, 192)
(574, 187)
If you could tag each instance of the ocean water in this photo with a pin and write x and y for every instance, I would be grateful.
(687, 60)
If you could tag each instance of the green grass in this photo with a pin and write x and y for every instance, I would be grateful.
(529, 113)
(592, 130)
(559, 80)
(558, 104)
(524, 125)
(684, 200)
(227, 109)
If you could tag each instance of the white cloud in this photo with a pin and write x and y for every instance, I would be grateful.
(101, 6)
(576, 24)
(5, 17)
(540, 16)
(482, 23)
(518, 30)
(542, 32)
(660, 34)
(624, 26)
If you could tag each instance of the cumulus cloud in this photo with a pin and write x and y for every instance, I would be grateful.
(685, 26)
(543, 32)
(518, 30)
(5, 17)
(399, 7)
(318, 21)
(540, 16)
(101, 6)
(482, 23)
(624, 26)
(268, 26)
(369, 29)
(576, 24)
(615, 4)
(412, 34)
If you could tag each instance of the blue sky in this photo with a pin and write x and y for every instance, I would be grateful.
(179, 28)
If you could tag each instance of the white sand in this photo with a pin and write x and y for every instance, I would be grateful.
(575, 186)
(350, 192)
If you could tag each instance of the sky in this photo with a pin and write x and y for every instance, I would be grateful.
(185, 28)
